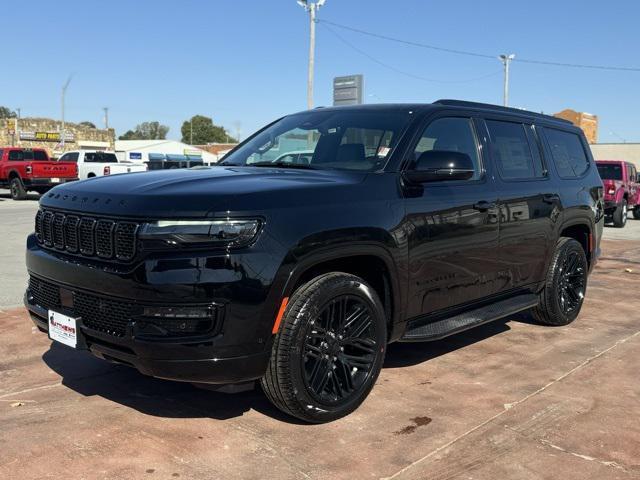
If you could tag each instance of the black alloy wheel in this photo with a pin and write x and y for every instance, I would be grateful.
(565, 285)
(573, 280)
(328, 350)
(339, 350)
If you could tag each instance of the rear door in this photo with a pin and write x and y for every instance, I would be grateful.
(527, 198)
(453, 228)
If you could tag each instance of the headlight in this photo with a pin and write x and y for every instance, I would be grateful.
(199, 233)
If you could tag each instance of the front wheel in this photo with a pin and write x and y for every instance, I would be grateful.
(565, 286)
(620, 215)
(329, 349)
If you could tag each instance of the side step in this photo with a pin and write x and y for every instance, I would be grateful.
(472, 318)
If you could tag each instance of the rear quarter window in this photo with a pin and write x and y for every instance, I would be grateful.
(567, 152)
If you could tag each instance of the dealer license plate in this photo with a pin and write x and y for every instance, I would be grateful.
(62, 329)
(55, 180)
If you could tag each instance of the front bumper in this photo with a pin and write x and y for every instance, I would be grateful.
(237, 349)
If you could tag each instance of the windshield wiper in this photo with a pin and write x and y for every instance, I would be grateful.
(281, 165)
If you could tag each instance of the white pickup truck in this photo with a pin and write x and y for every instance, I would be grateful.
(95, 163)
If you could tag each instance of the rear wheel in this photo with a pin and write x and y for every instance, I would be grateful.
(620, 214)
(329, 349)
(565, 286)
(17, 189)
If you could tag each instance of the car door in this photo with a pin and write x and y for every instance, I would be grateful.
(528, 201)
(453, 228)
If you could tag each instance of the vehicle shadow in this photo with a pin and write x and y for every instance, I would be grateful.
(30, 196)
(90, 376)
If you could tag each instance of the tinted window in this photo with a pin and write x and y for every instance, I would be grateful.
(40, 156)
(610, 171)
(69, 157)
(332, 139)
(512, 152)
(100, 157)
(450, 134)
(568, 153)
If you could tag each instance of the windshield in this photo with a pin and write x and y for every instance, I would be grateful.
(343, 140)
(100, 157)
(610, 171)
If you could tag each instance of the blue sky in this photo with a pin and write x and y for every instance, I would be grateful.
(245, 61)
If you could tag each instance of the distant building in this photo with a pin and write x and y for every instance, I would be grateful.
(45, 133)
(586, 121)
(139, 150)
(217, 149)
(617, 151)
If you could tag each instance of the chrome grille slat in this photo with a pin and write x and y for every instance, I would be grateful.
(106, 239)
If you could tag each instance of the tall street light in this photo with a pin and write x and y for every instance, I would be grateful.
(506, 60)
(311, 7)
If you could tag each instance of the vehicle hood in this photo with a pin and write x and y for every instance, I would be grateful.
(203, 191)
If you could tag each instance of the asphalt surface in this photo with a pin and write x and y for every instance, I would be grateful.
(508, 400)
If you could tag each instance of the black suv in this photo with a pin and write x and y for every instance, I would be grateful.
(319, 240)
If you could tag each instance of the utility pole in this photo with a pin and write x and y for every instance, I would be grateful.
(106, 117)
(506, 60)
(311, 7)
(17, 129)
(191, 129)
(64, 92)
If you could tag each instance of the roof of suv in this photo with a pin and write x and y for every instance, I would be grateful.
(484, 107)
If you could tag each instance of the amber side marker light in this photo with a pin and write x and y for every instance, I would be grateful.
(283, 307)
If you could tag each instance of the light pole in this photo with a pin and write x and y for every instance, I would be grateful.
(64, 91)
(311, 7)
(106, 117)
(506, 60)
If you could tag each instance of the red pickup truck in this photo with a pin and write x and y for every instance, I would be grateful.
(24, 169)
(621, 190)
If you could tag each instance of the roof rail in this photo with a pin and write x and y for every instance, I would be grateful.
(488, 106)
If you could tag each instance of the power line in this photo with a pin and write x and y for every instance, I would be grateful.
(397, 70)
(477, 54)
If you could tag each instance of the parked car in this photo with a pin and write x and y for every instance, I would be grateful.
(168, 161)
(410, 223)
(96, 163)
(621, 190)
(302, 156)
(25, 169)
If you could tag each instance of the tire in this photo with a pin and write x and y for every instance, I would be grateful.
(565, 285)
(309, 344)
(620, 215)
(636, 213)
(17, 189)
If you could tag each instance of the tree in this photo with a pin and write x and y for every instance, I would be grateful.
(146, 131)
(7, 113)
(204, 131)
(88, 124)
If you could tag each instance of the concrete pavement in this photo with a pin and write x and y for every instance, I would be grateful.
(509, 400)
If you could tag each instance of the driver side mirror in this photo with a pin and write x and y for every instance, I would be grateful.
(441, 165)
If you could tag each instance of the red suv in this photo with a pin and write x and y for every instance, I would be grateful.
(24, 169)
(621, 190)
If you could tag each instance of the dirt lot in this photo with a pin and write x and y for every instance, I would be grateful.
(510, 400)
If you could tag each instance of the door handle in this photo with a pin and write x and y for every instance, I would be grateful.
(550, 198)
(483, 205)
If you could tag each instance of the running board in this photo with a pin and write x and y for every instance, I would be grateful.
(472, 318)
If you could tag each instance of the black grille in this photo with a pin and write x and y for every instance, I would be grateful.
(112, 316)
(87, 236)
(103, 315)
(44, 294)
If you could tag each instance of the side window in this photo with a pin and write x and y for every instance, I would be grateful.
(514, 156)
(64, 158)
(450, 134)
(567, 152)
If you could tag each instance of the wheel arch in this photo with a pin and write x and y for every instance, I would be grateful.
(373, 263)
(581, 231)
